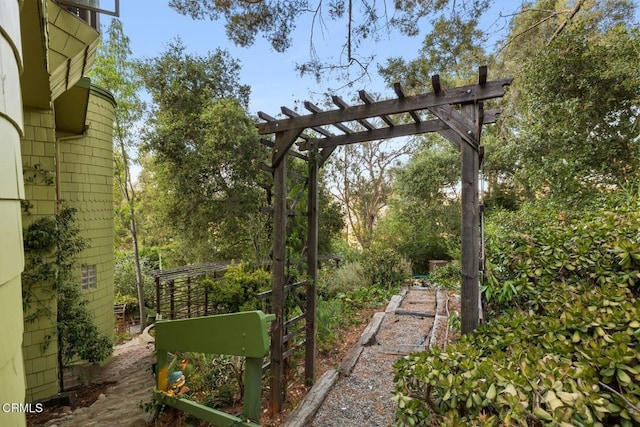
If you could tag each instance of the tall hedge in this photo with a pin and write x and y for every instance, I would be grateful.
(563, 347)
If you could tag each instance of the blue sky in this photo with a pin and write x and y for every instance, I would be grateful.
(151, 24)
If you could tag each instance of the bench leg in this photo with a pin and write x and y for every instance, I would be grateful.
(162, 374)
(252, 388)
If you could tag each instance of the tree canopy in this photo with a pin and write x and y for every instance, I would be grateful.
(203, 148)
(568, 128)
(363, 21)
(571, 124)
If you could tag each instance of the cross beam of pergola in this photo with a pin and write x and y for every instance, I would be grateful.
(457, 114)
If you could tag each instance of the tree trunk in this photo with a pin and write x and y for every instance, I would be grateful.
(136, 260)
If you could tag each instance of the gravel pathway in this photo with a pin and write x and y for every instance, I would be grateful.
(361, 394)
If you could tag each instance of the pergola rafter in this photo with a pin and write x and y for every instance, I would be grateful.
(455, 96)
(457, 114)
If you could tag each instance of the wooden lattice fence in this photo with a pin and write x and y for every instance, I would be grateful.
(181, 292)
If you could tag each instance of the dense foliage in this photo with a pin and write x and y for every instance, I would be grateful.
(570, 122)
(385, 267)
(124, 280)
(203, 153)
(423, 219)
(238, 289)
(580, 124)
(562, 343)
(446, 276)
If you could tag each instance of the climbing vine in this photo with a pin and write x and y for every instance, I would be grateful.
(51, 247)
(35, 175)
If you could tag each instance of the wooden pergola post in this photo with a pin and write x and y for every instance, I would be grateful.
(278, 279)
(470, 287)
(284, 141)
(312, 269)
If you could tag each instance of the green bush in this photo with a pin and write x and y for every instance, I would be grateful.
(447, 276)
(367, 297)
(385, 267)
(238, 290)
(124, 280)
(331, 317)
(563, 345)
(131, 302)
(341, 311)
(214, 380)
(341, 248)
(345, 278)
(601, 246)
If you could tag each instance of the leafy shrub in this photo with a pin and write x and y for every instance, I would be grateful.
(331, 318)
(238, 290)
(598, 245)
(347, 253)
(124, 280)
(564, 348)
(131, 302)
(214, 380)
(447, 276)
(345, 278)
(385, 267)
(341, 311)
(366, 297)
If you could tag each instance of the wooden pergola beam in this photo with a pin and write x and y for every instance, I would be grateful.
(271, 144)
(343, 106)
(460, 95)
(278, 280)
(435, 125)
(368, 99)
(290, 113)
(454, 120)
(315, 110)
(397, 87)
(311, 327)
(482, 74)
(470, 286)
(324, 152)
(284, 141)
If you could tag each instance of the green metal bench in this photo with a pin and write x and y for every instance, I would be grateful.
(237, 334)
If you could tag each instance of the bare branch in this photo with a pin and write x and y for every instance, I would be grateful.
(573, 13)
(630, 404)
(552, 14)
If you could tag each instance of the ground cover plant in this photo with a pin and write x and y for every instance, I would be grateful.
(563, 343)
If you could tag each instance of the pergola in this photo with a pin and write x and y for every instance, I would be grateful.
(457, 114)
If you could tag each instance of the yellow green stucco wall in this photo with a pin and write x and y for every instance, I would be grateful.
(86, 183)
(11, 192)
